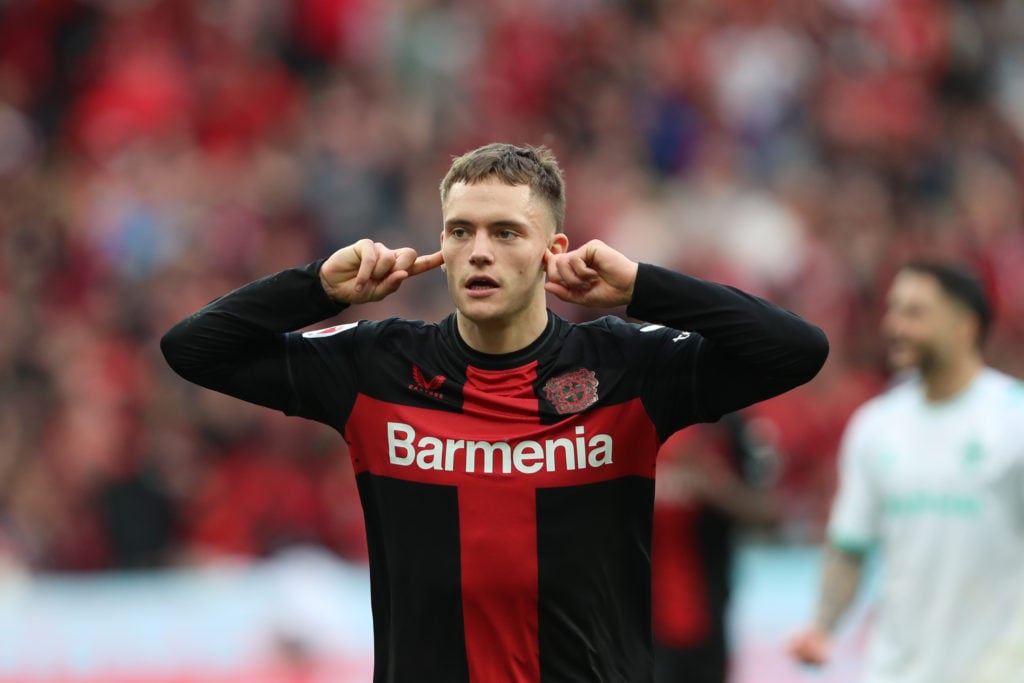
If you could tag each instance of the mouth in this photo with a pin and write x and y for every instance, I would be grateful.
(897, 344)
(481, 285)
(902, 351)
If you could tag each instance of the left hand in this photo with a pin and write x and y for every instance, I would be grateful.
(593, 275)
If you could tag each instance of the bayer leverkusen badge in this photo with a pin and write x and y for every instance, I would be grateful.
(573, 391)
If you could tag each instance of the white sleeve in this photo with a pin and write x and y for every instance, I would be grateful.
(856, 510)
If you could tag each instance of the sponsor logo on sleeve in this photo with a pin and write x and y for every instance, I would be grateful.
(651, 328)
(328, 331)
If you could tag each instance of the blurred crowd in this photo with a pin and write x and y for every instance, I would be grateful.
(157, 153)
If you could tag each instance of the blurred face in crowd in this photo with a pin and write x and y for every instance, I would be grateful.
(493, 243)
(923, 326)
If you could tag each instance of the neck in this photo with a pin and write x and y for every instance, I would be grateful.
(946, 381)
(502, 336)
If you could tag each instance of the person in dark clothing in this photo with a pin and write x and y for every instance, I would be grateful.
(712, 482)
(505, 457)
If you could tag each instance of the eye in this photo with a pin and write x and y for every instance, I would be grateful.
(458, 233)
(506, 234)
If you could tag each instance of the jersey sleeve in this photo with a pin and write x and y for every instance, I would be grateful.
(670, 386)
(854, 520)
(744, 349)
(240, 344)
(323, 369)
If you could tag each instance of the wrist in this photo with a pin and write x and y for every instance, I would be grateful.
(332, 292)
(631, 288)
(327, 289)
(321, 290)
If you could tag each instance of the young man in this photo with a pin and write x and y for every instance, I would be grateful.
(504, 457)
(933, 470)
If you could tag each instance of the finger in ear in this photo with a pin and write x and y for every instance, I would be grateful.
(559, 244)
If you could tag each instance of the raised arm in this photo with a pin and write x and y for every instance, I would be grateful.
(236, 344)
(754, 350)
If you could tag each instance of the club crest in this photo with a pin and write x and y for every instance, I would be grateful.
(572, 392)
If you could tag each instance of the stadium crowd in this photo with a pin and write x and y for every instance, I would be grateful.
(155, 153)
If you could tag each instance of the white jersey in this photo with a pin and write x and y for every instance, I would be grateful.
(941, 487)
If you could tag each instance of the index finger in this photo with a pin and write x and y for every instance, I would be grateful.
(426, 262)
(549, 263)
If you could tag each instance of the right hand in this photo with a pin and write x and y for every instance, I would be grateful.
(811, 646)
(369, 271)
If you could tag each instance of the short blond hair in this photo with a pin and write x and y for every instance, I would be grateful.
(533, 166)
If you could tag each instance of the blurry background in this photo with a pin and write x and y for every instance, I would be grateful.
(155, 154)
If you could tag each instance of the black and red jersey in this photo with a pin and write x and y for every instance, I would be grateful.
(507, 498)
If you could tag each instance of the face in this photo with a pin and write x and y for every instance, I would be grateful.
(922, 326)
(493, 244)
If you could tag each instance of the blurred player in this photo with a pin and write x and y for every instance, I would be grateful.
(711, 479)
(933, 472)
(504, 457)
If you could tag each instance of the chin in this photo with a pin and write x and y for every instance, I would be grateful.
(480, 312)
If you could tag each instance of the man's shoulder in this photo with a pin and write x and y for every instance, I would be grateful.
(1003, 386)
(614, 326)
(374, 329)
(1002, 395)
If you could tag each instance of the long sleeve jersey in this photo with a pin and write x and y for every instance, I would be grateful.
(507, 498)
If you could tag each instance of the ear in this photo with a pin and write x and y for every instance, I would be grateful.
(444, 268)
(559, 244)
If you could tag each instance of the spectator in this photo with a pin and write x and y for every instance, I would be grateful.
(200, 143)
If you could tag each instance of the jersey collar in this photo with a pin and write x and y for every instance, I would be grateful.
(547, 340)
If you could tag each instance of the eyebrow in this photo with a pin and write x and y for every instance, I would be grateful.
(504, 223)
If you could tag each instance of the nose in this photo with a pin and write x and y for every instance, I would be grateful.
(892, 322)
(482, 253)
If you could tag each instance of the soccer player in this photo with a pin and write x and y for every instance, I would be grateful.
(504, 457)
(711, 481)
(933, 472)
